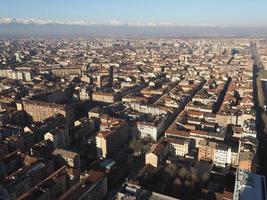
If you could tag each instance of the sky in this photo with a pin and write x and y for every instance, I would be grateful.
(242, 13)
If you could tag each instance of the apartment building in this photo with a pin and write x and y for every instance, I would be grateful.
(92, 186)
(104, 97)
(179, 147)
(157, 154)
(25, 75)
(112, 135)
(222, 155)
(40, 110)
(59, 136)
(66, 71)
(206, 150)
(71, 158)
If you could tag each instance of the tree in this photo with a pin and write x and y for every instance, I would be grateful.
(234, 51)
(138, 146)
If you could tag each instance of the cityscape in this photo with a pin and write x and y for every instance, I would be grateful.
(102, 105)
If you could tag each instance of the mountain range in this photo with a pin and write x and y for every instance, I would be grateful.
(116, 28)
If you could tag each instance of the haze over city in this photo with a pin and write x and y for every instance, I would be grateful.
(133, 100)
(134, 18)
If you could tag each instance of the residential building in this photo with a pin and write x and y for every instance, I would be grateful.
(206, 150)
(222, 155)
(71, 158)
(179, 147)
(112, 135)
(157, 154)
(59, 136)
(40, 110)
(92, 186)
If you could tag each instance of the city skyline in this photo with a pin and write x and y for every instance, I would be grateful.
(138, 100)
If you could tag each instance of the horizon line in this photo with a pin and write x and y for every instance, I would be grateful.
(113, 22)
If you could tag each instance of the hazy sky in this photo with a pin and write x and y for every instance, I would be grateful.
(179, 12)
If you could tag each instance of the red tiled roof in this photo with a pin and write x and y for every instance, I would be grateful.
(198, 132)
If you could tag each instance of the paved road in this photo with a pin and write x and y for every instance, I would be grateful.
(261, 117)
(259, 89)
